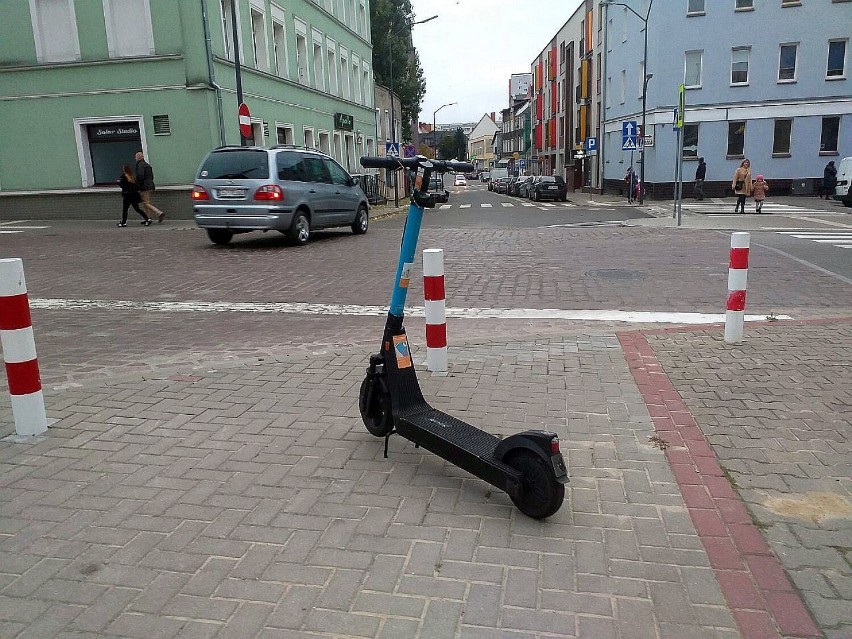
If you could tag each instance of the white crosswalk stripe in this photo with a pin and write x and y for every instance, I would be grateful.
(507, 204)
(486, 206)
(725, 208)
(841, 239)
(542, 206)
(18, 226)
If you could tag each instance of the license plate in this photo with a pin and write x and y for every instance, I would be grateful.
(552, 188)
(231, 192)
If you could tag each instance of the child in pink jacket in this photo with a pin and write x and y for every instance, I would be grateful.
(759, 191)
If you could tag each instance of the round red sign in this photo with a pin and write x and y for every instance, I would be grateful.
(245, 120)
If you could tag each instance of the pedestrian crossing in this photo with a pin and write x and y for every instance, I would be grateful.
(725, 208)
(841, 239)
(10, 228)
(542, 206)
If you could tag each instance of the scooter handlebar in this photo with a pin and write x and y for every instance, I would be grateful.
(395, 163)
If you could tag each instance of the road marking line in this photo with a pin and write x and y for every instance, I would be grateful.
(507, 204)
(464, 206)
(446, 206)
(9, 232)
(485, 206)
(297, 308)
(13, 222)
(827, 222)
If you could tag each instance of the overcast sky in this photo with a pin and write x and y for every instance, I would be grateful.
(471, 49)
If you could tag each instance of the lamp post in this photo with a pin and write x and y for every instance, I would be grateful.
(434, 126)
(391, 35)
(645, 80)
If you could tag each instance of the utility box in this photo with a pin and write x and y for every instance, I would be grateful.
(803, 186)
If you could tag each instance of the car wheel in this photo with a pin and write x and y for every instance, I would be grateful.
(362, 221)
(847, 203)
(220, 236)
(300, 231)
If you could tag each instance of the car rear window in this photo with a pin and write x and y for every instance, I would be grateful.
(238, 164)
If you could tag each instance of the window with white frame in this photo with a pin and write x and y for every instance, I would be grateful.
(284, 134)
(302, 52)
(744, 5)
(341, 11)
(836, 59)
(352, 16)
(623, 84)
(344, 74)
(781, 137)
(54, 25)
(736, 139)
(309, 138)
(829, 135)
(319, 72)
(368, 87)
(692, 69)
(332, 67)
(362, 19)
(129, 30)
(227, 27)
(279, 43)
(739, 65)
(258, 39)
(695, 7)
(690, 141)
(787, 62)
(325, 142)
(624, 24)
(356, 80)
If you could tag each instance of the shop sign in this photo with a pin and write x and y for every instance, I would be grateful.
(114, 131)
(343, 121)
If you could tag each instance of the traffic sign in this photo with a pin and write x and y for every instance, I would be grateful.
(629, 132)
(681, 105)
(245, 120)
(591, 146)
(409, 151)
(522, 164)
(392, 148)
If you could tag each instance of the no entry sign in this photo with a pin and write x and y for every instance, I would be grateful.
(245, 120)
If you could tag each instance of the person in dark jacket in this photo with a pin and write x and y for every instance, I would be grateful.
(145, 180)
(130, 197)
(829, 180)
(700, 173)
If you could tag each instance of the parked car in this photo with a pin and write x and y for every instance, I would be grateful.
(485, 176)
(436, 184)
(460, 180)
(471, 176)
(548, 187)
(521, 185)
(844, 178)
(500, 185)
(239, 189)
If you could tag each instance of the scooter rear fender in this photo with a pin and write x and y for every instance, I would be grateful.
(540, 442)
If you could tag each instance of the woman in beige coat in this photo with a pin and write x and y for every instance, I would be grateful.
(742, 185)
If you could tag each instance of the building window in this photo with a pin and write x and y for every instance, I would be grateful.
(695, 7)
(787, 62)
(284, 133)
(302, 53)
(356, 81)
(128, 28)
(258, 40)
(836, 59)
(830, 133)
(368, 96)
(692, 69)
(227, 28)
(279, 47)
(623, 84)
(744, 5)
(332, 68)
(319, 73)
(309, 138)
(690, 141)
(736, 139)
(739, 65)
(781, 139)
(54, 30)
(344, 74)
(791, 3)
(362, 19)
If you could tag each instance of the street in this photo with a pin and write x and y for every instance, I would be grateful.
(208, 473)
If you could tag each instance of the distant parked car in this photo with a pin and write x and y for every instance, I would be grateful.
(500, 185)
(548, 187)
(521, 185)
(460, 180)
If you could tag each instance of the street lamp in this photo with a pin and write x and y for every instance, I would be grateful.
(645, 80)
(391, 35)
(434, 137)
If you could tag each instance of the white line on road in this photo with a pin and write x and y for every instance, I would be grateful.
(464, 206)
(296, 308)
(507, 204)
(485, 206)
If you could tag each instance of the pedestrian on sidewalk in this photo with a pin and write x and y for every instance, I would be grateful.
(130, 197)
(759, 190)
(829, 180)
(145, 180)
(700, 173)
(741, 184)
(630, 180)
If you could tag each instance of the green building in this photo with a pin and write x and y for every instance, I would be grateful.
(84, 84)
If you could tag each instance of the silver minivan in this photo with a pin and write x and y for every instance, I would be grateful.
(290, 189)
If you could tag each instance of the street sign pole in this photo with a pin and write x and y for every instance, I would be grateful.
(681, 119)
(237, 75)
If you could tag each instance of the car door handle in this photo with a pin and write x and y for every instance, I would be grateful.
(312, 191)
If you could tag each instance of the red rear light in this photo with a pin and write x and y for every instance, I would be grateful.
(270, 192)
(554, 445)
(199, 194)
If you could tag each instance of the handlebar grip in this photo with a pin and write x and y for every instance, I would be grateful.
(386, 162)
(458, 167)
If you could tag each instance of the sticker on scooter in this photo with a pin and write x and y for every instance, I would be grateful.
(405, 276)
(403, 354)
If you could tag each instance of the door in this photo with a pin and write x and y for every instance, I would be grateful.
(345, 197)
(320, 191)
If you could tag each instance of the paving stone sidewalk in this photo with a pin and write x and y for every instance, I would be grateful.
(249, 501)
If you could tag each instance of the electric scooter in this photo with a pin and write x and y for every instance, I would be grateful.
(528, 466)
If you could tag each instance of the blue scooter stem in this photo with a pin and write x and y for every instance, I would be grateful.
(406, 259)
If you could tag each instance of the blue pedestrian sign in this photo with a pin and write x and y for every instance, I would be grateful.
(629, 134)
(392, 148)
(591, 146)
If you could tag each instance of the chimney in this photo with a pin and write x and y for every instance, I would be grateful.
(492, 117)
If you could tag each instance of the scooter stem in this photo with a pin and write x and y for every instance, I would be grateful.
(406, 259)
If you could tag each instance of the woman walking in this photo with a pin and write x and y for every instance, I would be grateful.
(130, 197)
(741, 184)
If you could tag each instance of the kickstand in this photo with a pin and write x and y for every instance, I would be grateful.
(387, 439)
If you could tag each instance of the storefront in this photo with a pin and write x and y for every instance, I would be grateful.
(111, 146)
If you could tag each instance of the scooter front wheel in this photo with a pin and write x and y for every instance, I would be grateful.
(374, 402)
(541, 495)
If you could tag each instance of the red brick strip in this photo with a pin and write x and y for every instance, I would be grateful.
(752, 579)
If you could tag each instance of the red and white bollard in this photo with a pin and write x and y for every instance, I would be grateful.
(436, 310)
(737, 279)
(19, 353)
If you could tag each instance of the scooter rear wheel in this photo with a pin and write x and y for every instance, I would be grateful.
(377, 416)
(541, 495)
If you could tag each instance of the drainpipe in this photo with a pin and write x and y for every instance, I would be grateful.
(211, 72)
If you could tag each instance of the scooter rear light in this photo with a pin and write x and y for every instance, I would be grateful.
(199, 194)
(270, 192)
(554, 445)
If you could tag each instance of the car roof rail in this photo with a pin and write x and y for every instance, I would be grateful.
(296, 147)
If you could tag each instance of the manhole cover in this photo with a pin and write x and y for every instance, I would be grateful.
(616, 274)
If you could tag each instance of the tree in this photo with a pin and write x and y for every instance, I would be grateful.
(391, 36)
(460, 141)
(453, 146)
(425, 150)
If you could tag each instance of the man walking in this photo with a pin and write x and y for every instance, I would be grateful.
(700, 173)
(145, 180)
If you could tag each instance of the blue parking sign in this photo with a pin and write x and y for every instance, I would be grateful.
(591, 145)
